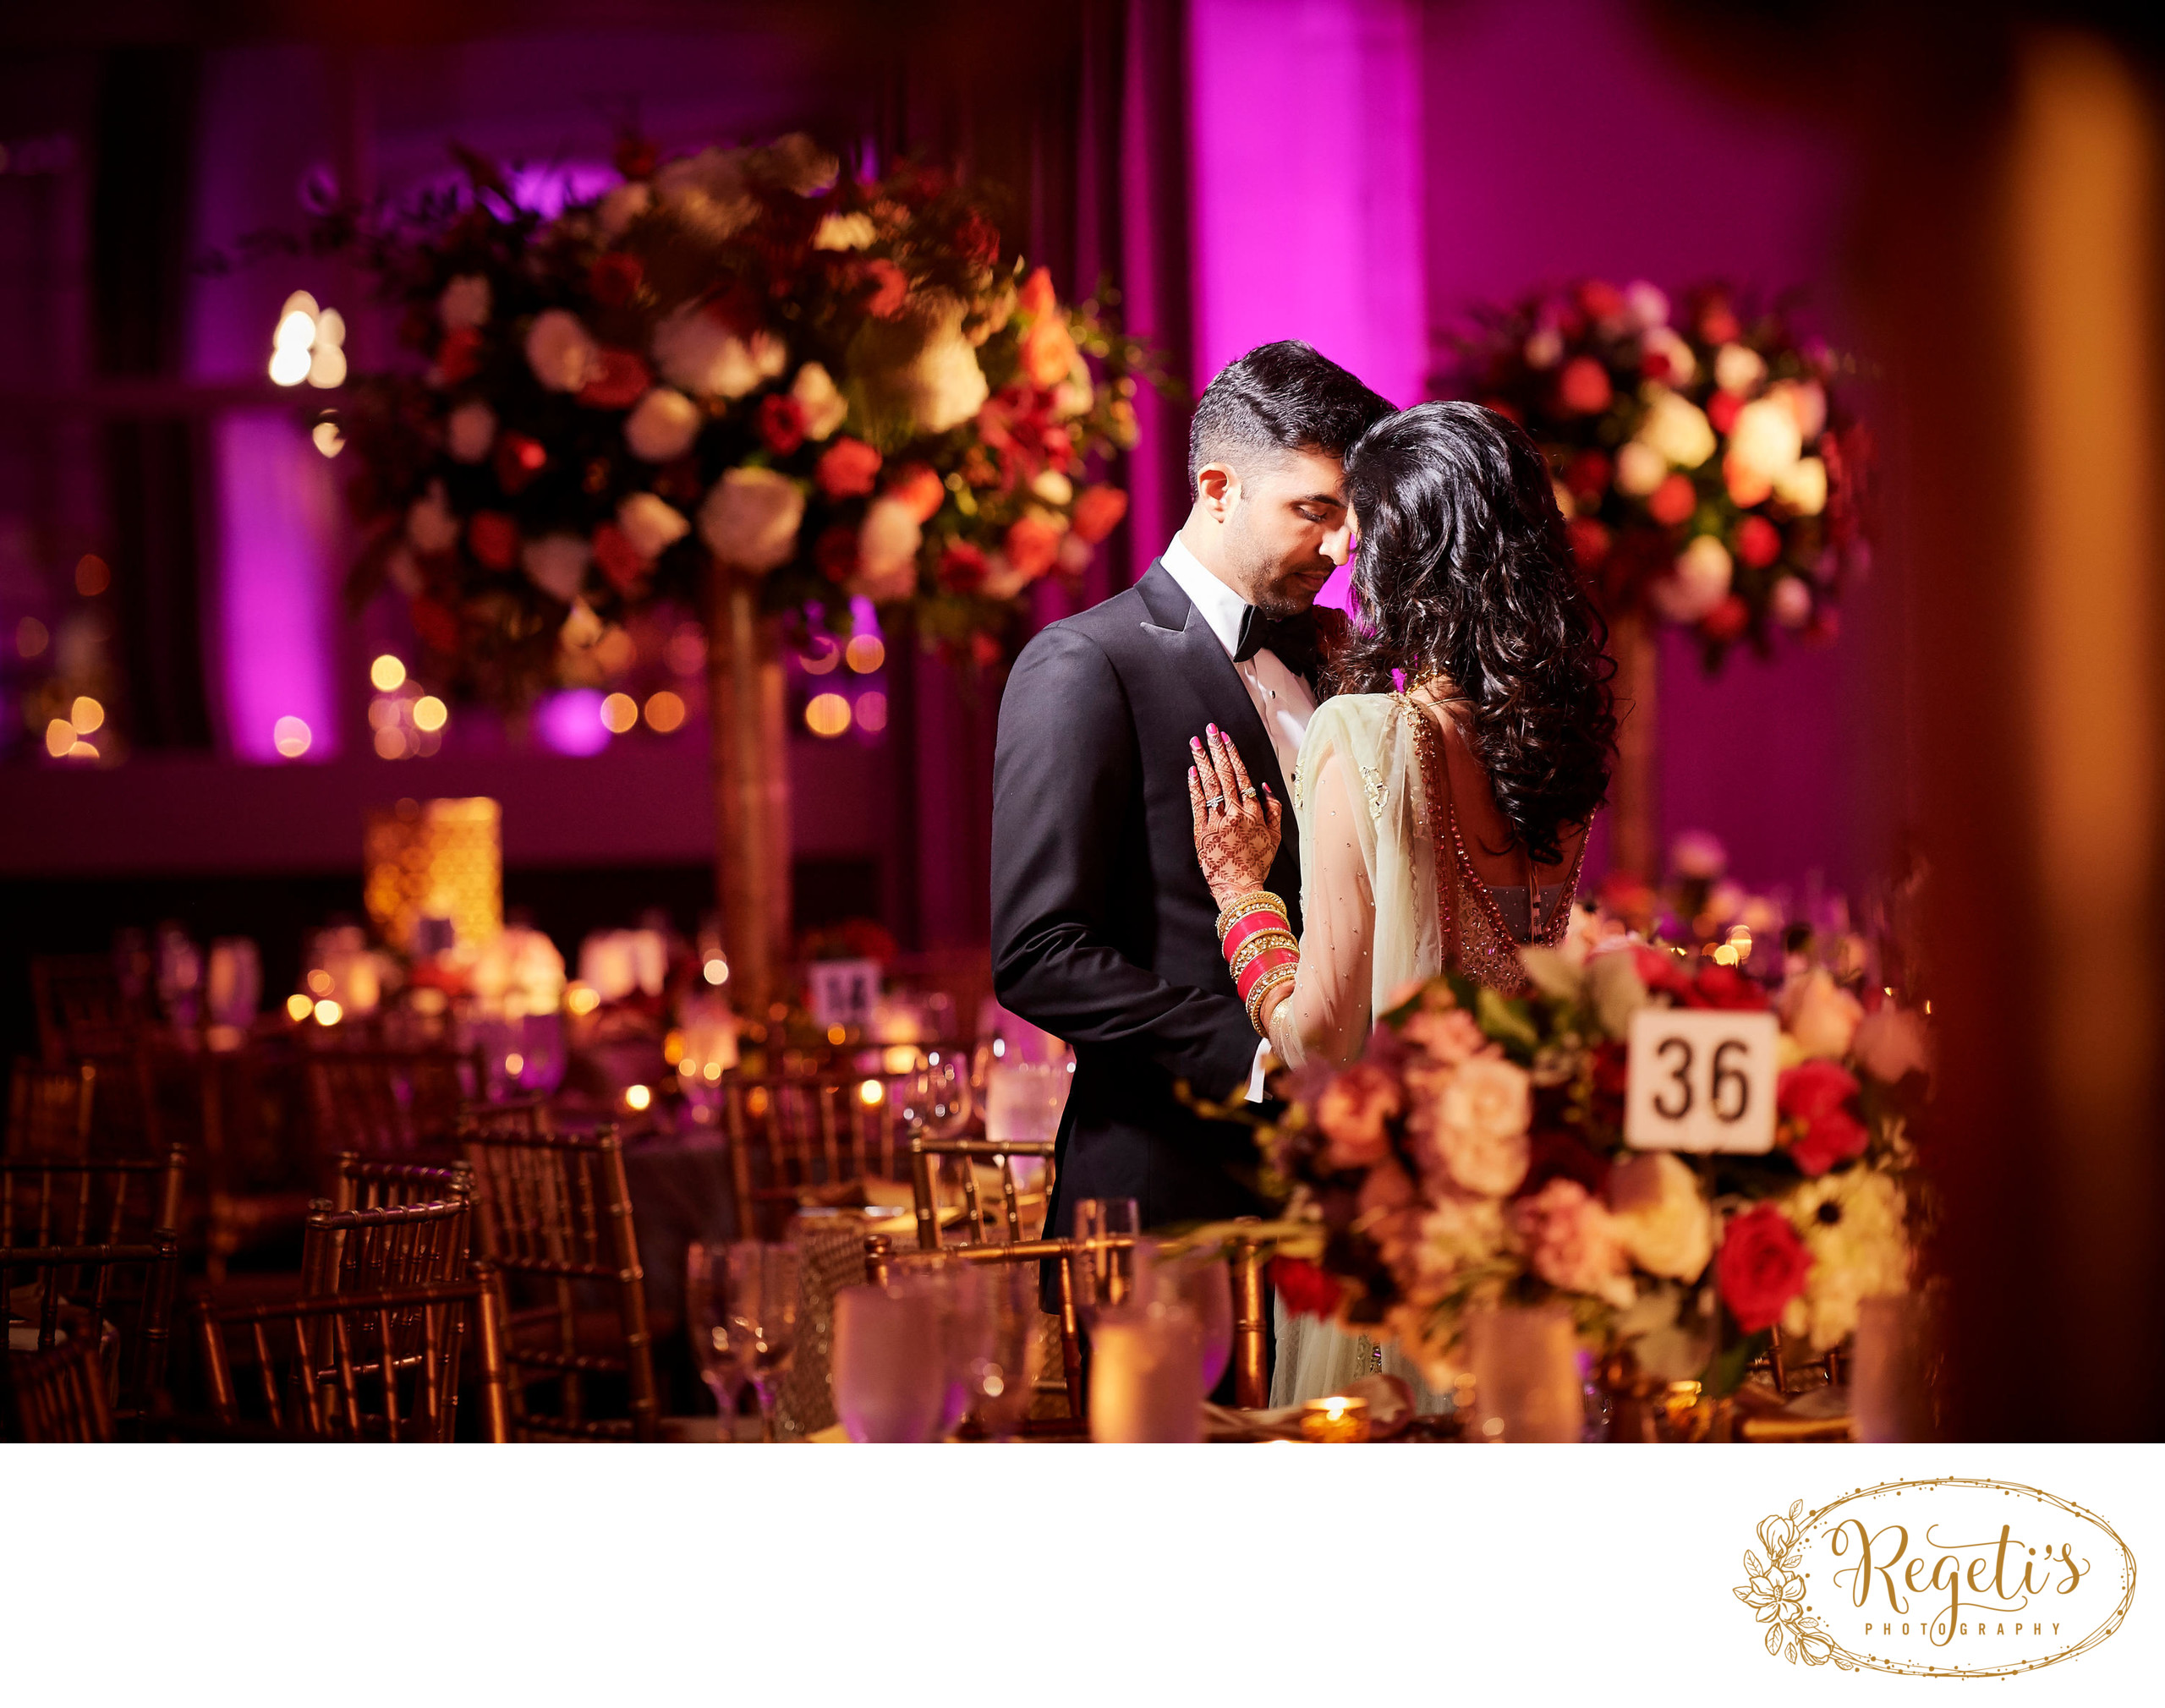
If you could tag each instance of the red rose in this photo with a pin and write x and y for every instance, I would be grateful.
(518, 460)
(1673, 500)
(1038, 296)
(459, 356)
(1721, 411)
(1718, 323)
(848, 469)
(493, 539)
(1814, 1099)
(619, 559)
(1758, 541)
(614, 279)
(836, 553)
(622, 382)
(1583, 388)
(1587, 477)
(1304, 1290)
(1659, 970)
(1724, 987)
(977, 240)
(1761, 1266)
(962, 567)
(435, 623)
(1601, 299)
(919, 490)
(1589, 541)
(1727, 620)
(1097, 512)
(1058, 445)
(985, 650)
(782, 424)
(890, 289)
(1032, 543)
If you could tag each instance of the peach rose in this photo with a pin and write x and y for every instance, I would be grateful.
(1573, 1242)
(1479, 1125)
(1353, 1112)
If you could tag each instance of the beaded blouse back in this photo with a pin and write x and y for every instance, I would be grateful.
(1478, 942)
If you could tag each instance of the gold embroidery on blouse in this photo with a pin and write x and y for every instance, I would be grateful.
(1374, 784)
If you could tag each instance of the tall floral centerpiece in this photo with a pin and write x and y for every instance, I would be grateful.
(743, 381)
(1475, 1157)
(1710, 472)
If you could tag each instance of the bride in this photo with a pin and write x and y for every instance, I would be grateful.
(1442, 796)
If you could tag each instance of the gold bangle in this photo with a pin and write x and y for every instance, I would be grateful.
(1269, 982)
(1241, 907)
(1260, 945)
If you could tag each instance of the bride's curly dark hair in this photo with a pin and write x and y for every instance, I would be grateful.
(1464, 568)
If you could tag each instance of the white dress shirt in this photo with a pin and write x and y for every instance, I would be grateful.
(1282, 700)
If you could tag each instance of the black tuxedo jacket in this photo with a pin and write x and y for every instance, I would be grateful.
(1103, 931)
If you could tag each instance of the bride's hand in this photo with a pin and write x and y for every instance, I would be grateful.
(1236, 826)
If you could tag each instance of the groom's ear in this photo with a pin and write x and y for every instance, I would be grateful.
(1217, 489)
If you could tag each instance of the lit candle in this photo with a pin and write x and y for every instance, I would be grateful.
(1337, 1417)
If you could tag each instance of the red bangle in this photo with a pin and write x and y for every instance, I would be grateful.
(1253, 925)
(1255, 971)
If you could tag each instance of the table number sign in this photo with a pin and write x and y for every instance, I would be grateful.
(1702, 1080)
(843, 992)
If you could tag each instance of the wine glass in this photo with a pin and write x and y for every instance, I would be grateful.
(1002, 1374)
(706, 1316)
(889, 1376)
(1203, 1282)
(1107, 1272)
(761, 1312)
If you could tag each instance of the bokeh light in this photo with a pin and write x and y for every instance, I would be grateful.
(327, 437)
(328, 1013)
(865, 653)
(826, 714)
(429, 714)
(716, 970)
(59, 736)
(298, 1008)
(619, 713)
(387, 673)
(637, 1097)
(32, 637)
(291, 736)
(821, 656)
(570, 722)
(872, 711)
(93, 575)
(86, 714)
(665, 712)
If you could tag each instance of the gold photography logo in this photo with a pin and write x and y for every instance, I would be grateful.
(1952, 1578)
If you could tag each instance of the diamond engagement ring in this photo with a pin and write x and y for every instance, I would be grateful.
(1214, 803)
(1248, 793)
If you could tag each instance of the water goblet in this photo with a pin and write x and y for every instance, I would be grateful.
(761, 1310)
(889, 1373)
(1203, 1282)
(706, 1318)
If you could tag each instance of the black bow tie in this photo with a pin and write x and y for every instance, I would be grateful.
(1292, 638)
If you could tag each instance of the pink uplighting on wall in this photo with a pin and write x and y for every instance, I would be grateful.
(1307, 195)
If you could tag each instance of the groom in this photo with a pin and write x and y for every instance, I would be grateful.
(1103, 931)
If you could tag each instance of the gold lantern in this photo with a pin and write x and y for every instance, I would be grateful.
(435, 859)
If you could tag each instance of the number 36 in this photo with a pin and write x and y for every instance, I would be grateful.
(1729, 1092)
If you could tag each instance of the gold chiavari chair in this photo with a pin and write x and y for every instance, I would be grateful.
(379, 1366)
(82, 1008)
(260, 1172)
(409, 1245)
(554, 1216)
(51, 1202)
(60, 1394)
(925, 1156)
(49, 1110)
(369, 1182)
(119, 1295)
(387, 1103)
(807, 1139)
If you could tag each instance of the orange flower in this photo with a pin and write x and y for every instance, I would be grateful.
(918, 489)
(890, 289)
(1048, 352)
(1037, 296)
(1033, 543)
(1098, 511)
(846, 468)
(1673, 500)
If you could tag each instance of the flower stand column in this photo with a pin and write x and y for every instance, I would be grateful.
(751, 790)
(1635, 791)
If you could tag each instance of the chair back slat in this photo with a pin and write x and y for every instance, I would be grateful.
(81, 1281)
(60, 1394)
(926, 1156)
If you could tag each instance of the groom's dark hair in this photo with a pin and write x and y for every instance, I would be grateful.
(1277, 397)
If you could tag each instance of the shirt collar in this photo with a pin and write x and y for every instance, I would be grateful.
(1220, 607)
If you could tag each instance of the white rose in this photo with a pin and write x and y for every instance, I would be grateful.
(706, 191)
(1456, 1234)
(1054, 487)
(1802, 486)
(1683, 365)
(1698, 582)
(1765, 441)
(1640, 469)
(431, 524)
(1676, 428)
(825, 407)
(845, 231)
(556, 564)
(465, 302)
(1663, 1217)
(1862, 1252)
(1647, 303)
(751, 517)
(1480, 1123)
(923, 367)
(1806, 401)
(1820, 1015)
(697, 354)
(1891, 1042)
(1544, 347)
(801, 164)
(1617, 991)
(886, 553)
(1738, 370)
(1790, 602)
(651, 525)
(620, 207)
(470, 429)
(662, 425)
(560, 351)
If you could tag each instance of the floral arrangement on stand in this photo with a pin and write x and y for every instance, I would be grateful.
(845, 389)
(1708, 469)
(1475, 1156)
